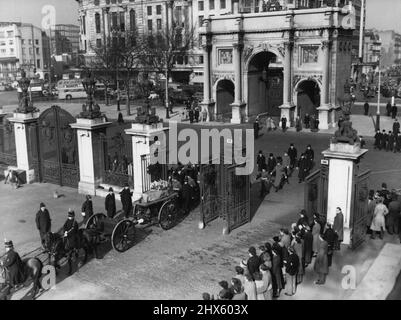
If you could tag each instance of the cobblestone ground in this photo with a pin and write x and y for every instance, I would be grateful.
(184, 262)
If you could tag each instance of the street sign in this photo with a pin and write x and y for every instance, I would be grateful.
(324, 162)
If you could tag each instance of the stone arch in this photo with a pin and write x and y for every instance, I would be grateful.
(311, 97)
(250, 52)
(224, 92)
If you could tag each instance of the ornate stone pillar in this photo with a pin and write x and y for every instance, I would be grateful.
(287, 87)
(170, 5)
(207, 104)
(238, 105)
(324, 120)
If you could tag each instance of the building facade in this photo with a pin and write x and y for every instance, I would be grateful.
(371, 52)
(391, 47)
(20, 47)
(65, 38)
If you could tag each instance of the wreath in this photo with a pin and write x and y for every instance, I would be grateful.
(155, 171)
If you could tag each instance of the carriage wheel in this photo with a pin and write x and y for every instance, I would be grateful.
(168, 214)
(123, 235)
(95, 221)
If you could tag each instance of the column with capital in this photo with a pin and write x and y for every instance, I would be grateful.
(287, 95)
(237, 105)
(324, 108)
(207, 103)
(170, 5)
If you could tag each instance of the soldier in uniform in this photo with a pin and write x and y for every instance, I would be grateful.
(13, 266)
(87, 208)
(43, 222)
(70, 231)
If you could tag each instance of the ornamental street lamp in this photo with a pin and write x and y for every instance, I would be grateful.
(378, 99)
(90, 110)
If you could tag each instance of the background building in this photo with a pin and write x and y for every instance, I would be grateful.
(20, 47)
(391, 45)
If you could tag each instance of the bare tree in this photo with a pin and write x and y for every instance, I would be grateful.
(162, 51)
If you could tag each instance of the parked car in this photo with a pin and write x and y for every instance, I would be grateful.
(153, 96)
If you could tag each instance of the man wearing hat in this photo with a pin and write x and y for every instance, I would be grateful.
(186, 196)
(13, 266)
(126, 200)
(70, 231)
(43, 222)
(87, 208)
(253, 262)
(110, 203)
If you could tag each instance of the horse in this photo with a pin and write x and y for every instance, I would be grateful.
(32, 270)
(56, 248)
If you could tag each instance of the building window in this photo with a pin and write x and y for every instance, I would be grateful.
(98, 43)
(37, 50)
(38, 63)
(211, 4)
(30, 51)
(114, 22)
(132, 21)
(158, 9)
(200, 6)
(37, 42)
(150, 26)
(30, 42)
(309, 54)
(122, 21)
(159, 24)
(11, 42)
(10, 34)
(149, 10)
(97, 22)
(22, 41)
(222, 4)
(200, 20)
(11, 50)
(200, 59)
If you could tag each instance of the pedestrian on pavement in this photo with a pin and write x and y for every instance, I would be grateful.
(394, 211)
(370, 211)
(384, 140)
(284, 123)
(271, 164)
(298, 249)
(43, 222)
(261, 286)
(267, 278)
(291, 269)
(110, 203)
(378, 224)
(277, 273)
(204, 115)
(256, 128)
(186, 196)
(253, 262)
(396, 127)
(240, 275)
(393, 111)
(261, 161)
(303, 220)
(307, 121)
(308, 246)
(238, 290)
(293, 154)
(126, 200)
(298, 123)
(316, 230)
(196, 113)
(310, 156)
(303, 168)
(362, 142)
(366, 108)
(398, 143)
(286, 162)
(191, 115)
(388, 109)
(87, 208)
(378, 138)
(250, 288)
(321, 266)
(331, 238)
(263, 177)
(338, 227)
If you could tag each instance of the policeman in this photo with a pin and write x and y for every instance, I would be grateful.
(13, 266)
(70, 230)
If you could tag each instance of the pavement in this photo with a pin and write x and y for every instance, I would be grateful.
(185, 261)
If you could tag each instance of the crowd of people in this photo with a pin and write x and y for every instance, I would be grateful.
(280, 264)
(389, 141)
(194, 112)
(274, 172)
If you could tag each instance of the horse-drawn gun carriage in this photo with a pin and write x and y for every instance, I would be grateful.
(160, 207)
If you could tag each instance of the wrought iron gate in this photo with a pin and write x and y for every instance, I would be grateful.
(210, 190)
(236, 195)
(7, 143)
(315, 194)
(56, 158)
(359, 209)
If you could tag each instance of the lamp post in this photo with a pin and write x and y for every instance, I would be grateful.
(90, 110)
(378, 101)
(167, 96)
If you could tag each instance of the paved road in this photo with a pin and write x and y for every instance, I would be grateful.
(184, 262)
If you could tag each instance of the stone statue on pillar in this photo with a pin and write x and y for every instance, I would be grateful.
(25, 104)
(345, 132)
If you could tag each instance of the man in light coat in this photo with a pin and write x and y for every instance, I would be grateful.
(267, 278)
(379, 222)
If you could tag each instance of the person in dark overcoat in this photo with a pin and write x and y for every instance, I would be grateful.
(394, 211)
(316, 231)
(191, 115)
(331, 237)
(298, 245)
(308, 246)
(70, 231)
(366, 108)
(186, 196)
(321, 266)
(378, 138)
(303, 168)
(398, 143)
(13, 265)
(393, 111)
(43, 222)
(390, 141)
(110, 203)
(277, 274)
(293, 154)
(256, 128)
(126, 200)
(396, 127)
(284, 123)
(383, 140)
(253, 262)
(271, 163)
(291, 270)
(87, 208)
(388, 108)
(261, 161)
(338, 224)
(310, 156)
